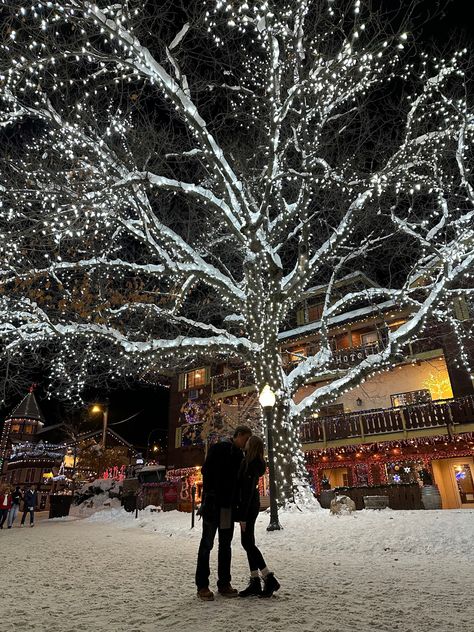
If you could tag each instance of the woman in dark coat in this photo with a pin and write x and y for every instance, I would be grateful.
(251, 469)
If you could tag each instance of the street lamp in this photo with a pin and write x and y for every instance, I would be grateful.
(97, 408)
(155, 447)
(267, 401)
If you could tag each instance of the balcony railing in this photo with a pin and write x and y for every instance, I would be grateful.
(232, 381)
(449, 412)
(342, 358)
(353, 355)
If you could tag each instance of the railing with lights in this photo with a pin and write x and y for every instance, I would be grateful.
(447, 413)
(232, 381)
(341, 358)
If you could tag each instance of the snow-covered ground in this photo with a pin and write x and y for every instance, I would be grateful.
(372, 571)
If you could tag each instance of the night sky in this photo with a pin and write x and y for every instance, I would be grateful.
(441, 27)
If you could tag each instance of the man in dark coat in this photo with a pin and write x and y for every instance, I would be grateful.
(29, 501)
(219, 477)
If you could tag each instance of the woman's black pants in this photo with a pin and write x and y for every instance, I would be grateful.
(247, 538)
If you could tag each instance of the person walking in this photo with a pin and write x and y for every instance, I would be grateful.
(219, 476)
(5, 505)
(17, 496)
(251, 469)
(29, 504)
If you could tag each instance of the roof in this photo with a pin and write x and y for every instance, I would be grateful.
(119, 438)
(27, 409)
(338, 320)
(357, 275)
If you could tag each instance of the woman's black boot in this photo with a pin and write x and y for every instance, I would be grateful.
(270, 585)
(254, 588)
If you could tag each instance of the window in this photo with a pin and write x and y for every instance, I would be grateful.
(369, 338)
(315, 312)
(296, 354)
(193, 379)
(15, 428)
(309, 312)
(333, 410)
(406, 472)
(411, 397)
(178, 437)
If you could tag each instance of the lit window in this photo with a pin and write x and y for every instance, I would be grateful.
(196, 378)
(411, 397)
(369, 338)
(296, 354)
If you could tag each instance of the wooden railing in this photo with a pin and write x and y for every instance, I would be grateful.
(232, 381)
(341, 358)
(441, 413)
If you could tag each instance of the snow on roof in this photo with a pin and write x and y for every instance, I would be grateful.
(353, 276)
(341, 318)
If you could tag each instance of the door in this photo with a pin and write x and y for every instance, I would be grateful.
(464, 477)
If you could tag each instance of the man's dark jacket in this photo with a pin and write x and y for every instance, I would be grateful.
(219, 474)
(30, 498)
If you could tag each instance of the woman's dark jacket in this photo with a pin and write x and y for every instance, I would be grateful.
(248, 494)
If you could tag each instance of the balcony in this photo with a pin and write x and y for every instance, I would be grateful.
(442, 414)
(233, 381)
(345, 358)
(341, 358)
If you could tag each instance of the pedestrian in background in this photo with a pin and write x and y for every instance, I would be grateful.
(17, 496)
(5, 504)
(29, 506)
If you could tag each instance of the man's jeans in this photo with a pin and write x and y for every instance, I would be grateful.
(13, 514)
(32, 515)
(224, 555)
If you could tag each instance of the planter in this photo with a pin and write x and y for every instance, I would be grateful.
(376, 502)
(129, 503)
(430, 497)
(325, 497)
(59, 506)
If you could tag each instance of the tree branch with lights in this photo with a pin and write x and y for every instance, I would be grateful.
(170, 196)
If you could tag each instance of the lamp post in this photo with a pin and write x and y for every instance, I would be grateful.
(97, 408)
(267, 401)
(155, 448)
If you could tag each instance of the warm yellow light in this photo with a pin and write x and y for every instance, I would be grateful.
(96, 409)
(155, 448)
(267, 397)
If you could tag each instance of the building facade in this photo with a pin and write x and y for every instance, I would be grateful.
(419, 415)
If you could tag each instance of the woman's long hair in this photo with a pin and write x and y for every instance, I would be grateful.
(254, 450)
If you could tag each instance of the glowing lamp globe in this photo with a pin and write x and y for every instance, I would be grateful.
(267, 397)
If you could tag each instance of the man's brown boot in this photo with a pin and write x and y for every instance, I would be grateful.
(228, 591)
(205, 594)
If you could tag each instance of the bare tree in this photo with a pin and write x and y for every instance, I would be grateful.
(169, 195)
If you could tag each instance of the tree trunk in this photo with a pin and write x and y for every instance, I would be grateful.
(292, 478)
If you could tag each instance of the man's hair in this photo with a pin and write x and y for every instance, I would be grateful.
(242, 430)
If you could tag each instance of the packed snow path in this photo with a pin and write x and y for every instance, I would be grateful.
(378, 572)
